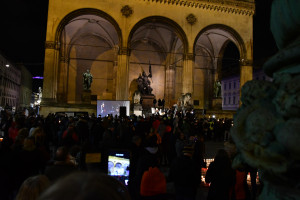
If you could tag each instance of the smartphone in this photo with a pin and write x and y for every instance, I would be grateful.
(118, 165)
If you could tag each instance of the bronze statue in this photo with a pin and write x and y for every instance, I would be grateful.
(217, 89)
(144, 82)
(87, 80)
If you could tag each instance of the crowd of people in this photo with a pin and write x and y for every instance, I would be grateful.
(37, 153)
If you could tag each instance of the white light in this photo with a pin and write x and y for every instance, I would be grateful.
(7, 65)
(214, 116)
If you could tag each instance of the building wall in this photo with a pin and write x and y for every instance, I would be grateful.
(231, 89)
(230, 93)
(10, 82)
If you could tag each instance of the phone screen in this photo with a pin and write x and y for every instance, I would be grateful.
(118, 165)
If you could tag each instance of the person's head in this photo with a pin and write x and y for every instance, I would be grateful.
(62, 154)
(87, 186)
(29, 144)
(153, 183)
(39, 135)
(151, 141)
(222, 157)
(137, 140)
(32, 187)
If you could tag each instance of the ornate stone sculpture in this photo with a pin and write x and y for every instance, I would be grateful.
(136, 97)
(144, 82)
(184, 100)
(87, 80)
(126, 11)
(266, 128)
(191, 19)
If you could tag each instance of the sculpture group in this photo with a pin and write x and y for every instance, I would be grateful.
(144, 83)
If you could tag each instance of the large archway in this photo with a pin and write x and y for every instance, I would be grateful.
(209, 47)
(88, 39)
(162, 43)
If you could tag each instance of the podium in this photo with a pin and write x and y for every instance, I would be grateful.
(147, 101)
(86, 97)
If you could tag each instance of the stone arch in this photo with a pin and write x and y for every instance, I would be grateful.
(69, 83)
(84, 11)
(239, 41)
(166, 45)
(213, 40)
(162, 20)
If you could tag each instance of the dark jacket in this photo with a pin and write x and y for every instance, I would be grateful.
(58, 170)
(186, 176)
(221, 179)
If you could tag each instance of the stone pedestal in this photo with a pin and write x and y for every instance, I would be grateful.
(217, 104)
(138, 109)
(86, 97)
(147, 101)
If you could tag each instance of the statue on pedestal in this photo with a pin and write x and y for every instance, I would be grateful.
(217, 89)
(87, 80)
(144, 82)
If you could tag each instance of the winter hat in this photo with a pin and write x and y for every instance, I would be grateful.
(153, 182)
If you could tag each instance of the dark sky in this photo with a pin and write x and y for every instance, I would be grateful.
(23, 32)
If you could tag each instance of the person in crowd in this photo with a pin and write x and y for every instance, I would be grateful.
(19, 142)
(185, 175)
(70, 137)
(61, 166)
(27, 162)
(32, 187)
(7, 173)
(180, 142)
(240, 190)
(149, 158)
(87, 186)
(220, 175)
(153, 185)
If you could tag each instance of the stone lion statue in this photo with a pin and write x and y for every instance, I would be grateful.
(185, 100)
(136, 97)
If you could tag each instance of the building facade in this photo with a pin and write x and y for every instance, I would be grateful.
(183, 40)
(10, 82)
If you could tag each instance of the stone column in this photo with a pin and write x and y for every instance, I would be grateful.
(62, 80)
(50, 73)
(187, 75)
(170, 84)
(122, 74)
(246, 71)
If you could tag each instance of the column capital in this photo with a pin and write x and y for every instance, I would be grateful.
(64, 59)
(189, 56)
(124, 51)
(52, 45)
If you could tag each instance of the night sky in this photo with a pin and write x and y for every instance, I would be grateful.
(23, 33)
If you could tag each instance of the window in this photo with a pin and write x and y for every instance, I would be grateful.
(229, 86)
(229, 100)
(224, 102)
(224, 86)
(233, 100)
(234, 85)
